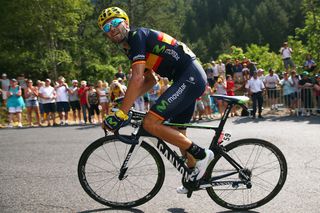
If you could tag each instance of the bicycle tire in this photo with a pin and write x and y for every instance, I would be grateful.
(145, 174)
(264, 175)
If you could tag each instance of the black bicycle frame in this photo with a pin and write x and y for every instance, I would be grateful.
(172, 156)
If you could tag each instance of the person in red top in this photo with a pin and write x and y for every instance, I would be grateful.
(83, 100)
(230, 92)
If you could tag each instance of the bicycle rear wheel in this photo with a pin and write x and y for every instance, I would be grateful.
(262, 161)
(99, 167)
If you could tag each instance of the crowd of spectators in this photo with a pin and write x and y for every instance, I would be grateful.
(88, 103)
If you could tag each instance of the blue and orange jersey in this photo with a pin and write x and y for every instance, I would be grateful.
(159, 51)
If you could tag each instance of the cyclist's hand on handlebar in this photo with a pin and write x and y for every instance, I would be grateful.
(115, 121)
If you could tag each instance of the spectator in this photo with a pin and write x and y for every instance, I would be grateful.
(74, 101)
(255, 89)
(199, 110)
(238, 76)
(93, 103)
(260, 73)
(103, 93)
(309, 64)
(288, 91)
(5, 84)
(206, 100)
(317, 91)
(220, 89)
(295, 80)
(62, 100)
(215, 72)
(271, 82)
(230, 91)
(229, 67)
(221, 69)
(22, 81)
(15, 102)
(146, 100)
(209, 72)
(165, 85)
(154, 92)
(139, 104)
(120, 74)
(40, 100)
(83, 100)
(124, 87)
(31, 97)
(48, 95)
(305, 84)
(116, 90)
(286, 52)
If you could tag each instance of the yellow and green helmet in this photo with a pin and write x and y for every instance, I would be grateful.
(109, 13)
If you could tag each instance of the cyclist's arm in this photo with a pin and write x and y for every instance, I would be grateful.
(138, 85)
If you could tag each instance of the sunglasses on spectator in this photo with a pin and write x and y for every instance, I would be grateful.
(114, 23)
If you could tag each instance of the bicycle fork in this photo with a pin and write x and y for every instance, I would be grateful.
(124, 167)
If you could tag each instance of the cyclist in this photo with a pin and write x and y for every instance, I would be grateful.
(152, 52)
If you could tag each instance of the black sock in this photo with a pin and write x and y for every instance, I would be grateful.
(196, 151)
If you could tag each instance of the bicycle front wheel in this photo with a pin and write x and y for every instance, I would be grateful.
(99, 167)
(262, 161)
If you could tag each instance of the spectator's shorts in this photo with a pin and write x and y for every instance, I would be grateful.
(272, 93)
(15, 109)
(288, 99)
(41, 108)
(75, 105)
(63, 107)
(49, 107)
(288, 62)
(178, 101)
(32, 103)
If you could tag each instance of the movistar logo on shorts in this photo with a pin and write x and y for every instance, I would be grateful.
(162, 106)
(178, 93)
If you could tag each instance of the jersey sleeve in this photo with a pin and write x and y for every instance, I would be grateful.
(138, 46)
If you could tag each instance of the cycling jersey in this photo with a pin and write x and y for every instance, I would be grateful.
(160, 52)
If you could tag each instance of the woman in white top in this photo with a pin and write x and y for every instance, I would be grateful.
(103, 93)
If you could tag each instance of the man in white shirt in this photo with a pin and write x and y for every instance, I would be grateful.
(62, 100)
(255, 88)
(271, 81)
(48, 95)
(286, 56)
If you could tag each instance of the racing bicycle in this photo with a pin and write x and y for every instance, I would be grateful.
(124, 171)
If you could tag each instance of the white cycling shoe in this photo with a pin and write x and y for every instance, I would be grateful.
(199, 170)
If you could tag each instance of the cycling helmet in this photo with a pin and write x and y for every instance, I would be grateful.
(109, 13)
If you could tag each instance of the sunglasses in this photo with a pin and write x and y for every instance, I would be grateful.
(114, 23)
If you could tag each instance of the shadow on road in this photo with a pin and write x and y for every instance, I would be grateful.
(112, 209)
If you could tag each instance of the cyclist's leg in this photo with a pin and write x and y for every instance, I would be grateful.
(178, 102)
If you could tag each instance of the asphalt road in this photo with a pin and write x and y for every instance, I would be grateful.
(38, 168)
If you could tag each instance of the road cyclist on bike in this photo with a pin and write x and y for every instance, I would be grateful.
(151, 52)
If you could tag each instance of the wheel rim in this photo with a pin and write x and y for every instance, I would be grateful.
(101, 172)
(263, 166)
